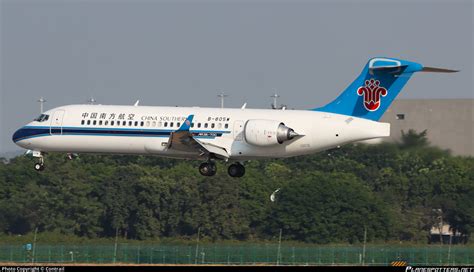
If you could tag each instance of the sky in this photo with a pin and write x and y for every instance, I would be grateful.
(167, 53)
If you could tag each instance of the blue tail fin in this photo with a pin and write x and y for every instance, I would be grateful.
(373, 91)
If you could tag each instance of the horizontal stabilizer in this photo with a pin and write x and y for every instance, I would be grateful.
(438, 70)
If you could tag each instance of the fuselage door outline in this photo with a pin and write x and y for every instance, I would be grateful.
(56, 127)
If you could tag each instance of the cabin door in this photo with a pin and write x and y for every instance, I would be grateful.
(56, 127)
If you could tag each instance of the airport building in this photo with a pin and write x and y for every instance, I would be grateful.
(449, 122)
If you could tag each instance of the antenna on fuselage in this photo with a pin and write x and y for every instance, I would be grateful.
(41, 101)
(91, 100)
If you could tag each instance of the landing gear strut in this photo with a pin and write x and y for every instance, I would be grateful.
(208, 169)
(39, 166)
(236, 170)
(71, 156)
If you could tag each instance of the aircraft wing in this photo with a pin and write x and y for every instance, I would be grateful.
(218, 151)
(183, 140)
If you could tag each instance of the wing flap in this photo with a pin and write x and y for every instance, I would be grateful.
(218, 151)
(183, 140)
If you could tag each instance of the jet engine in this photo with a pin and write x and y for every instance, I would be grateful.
(261, 132)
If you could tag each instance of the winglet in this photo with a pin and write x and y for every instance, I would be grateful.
(187, 123)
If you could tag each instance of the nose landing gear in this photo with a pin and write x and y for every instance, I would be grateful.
(39, 166)
(71, 156)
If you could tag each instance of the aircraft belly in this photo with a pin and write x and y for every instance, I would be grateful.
(108, 145)
(91, 144)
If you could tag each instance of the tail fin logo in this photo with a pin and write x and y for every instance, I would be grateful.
(372, 91)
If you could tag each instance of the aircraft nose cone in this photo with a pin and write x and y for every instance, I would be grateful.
(18, 136)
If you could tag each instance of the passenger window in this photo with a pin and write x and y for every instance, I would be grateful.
(100, 123)
(112, 123)
(82, 122)
(192, 125)
(178, 124)
(124, 123)
(95, 122)
(212, 125)
(88, 122)
(171, 124)
(142, 123)
(166, 124)
(205, 125)
(199, 125)
(106, 122)
(226, 126)
(136, 123)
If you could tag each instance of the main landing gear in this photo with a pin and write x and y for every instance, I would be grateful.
(236, 170)
(209, 169)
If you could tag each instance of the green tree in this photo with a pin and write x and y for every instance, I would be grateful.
(412, 139)
(325, 207)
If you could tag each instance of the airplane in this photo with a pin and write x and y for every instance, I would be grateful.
(233, 135)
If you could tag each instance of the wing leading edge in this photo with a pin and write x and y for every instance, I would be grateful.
(183, 140)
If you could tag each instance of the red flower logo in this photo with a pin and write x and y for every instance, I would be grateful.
(372, 91)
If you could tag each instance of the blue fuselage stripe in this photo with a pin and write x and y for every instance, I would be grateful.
(36, 131)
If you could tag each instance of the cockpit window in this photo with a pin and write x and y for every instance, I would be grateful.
(42, 118)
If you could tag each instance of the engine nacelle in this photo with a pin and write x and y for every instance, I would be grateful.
(260, 132)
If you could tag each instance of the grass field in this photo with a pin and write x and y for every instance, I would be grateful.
(244, 254)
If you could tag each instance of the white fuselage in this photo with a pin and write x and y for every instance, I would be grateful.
(146, 130)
